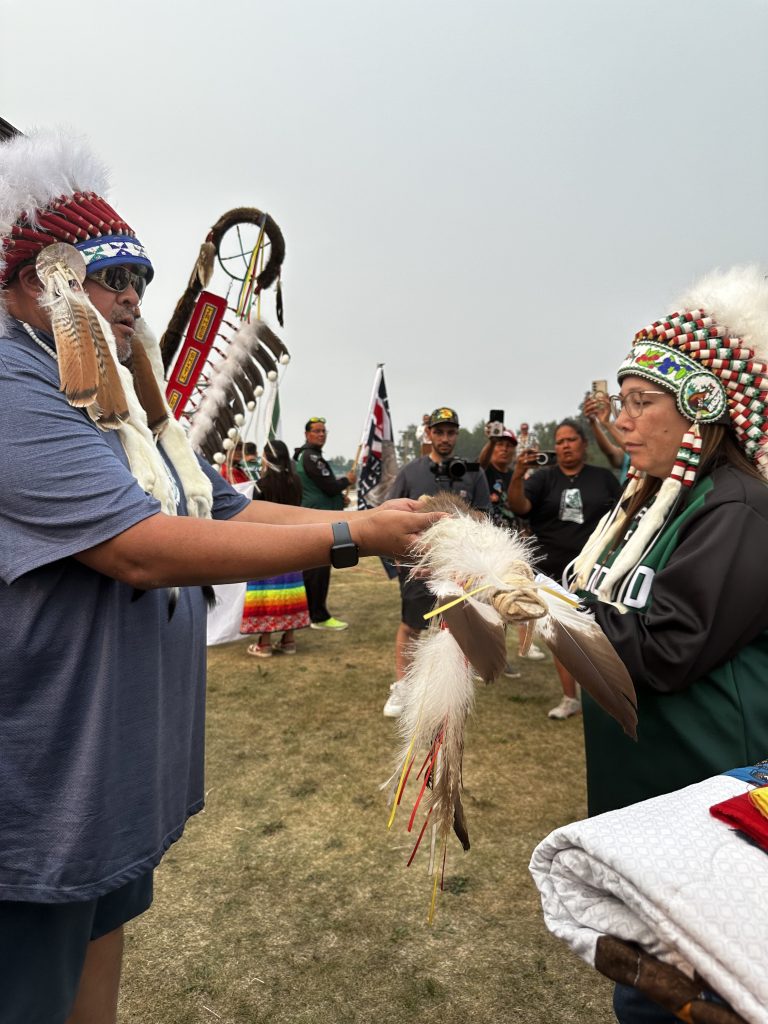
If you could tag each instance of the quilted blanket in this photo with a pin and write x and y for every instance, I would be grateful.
(667, 876)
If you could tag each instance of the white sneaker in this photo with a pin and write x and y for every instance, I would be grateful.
(534, 654)
(510, 672)
(396, 700)
(568, 706)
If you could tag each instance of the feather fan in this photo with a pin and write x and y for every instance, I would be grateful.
(236, 382)
(482, 579)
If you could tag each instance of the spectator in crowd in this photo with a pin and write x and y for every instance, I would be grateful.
(563, 504)
(497, 458)
(277, 604)
(597, 409)
(234, 469)
(321, 489)
(438, 471)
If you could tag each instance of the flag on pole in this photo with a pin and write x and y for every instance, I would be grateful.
(378, 460)
(376, 455)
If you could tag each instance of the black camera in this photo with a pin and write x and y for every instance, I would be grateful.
(453, 468)
(546, 459)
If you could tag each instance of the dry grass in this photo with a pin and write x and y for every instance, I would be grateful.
(288, 901)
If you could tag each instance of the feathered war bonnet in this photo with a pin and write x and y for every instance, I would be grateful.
(712, 356)
(52, 191)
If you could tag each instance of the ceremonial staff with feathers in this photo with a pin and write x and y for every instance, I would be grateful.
(102, 703)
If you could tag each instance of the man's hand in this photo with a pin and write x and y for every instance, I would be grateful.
(389, 533)
(399, 505)
(351, 476)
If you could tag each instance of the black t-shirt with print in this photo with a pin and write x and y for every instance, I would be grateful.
(565, 510)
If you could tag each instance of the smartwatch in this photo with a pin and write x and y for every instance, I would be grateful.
(344, 551)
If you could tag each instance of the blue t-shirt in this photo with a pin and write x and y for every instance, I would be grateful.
(101, 694)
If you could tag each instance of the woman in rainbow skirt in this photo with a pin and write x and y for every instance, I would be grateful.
(277, 604)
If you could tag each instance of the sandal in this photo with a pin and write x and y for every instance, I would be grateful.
(287, 648)
(258, 651)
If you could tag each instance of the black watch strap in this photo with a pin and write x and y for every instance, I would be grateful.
(344, 551)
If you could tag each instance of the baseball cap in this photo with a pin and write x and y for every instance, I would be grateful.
(508, 434)
(442, 416)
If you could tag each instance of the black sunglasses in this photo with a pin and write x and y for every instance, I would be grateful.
(121, 276)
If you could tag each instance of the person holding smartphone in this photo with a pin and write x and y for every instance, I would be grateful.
(563, 504)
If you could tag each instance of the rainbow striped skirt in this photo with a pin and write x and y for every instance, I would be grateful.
(275, 604)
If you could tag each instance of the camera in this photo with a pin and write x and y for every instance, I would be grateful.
(495, 425)
(546, 458)
(453, 468)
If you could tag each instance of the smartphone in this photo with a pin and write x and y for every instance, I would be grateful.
(599, 387)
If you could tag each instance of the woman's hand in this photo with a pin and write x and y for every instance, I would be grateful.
(597, 407)
(526, 460)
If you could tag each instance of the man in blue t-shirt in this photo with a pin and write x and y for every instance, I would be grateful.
(102, 656)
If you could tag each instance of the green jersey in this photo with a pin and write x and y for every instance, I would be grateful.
(695, 641)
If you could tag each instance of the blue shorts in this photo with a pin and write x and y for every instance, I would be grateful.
(43, 947)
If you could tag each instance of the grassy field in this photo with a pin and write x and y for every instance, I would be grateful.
(288, 901)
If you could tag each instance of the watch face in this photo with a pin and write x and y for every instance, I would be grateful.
(344, 556)
(344, 552)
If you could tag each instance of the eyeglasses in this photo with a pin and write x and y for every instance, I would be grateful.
(119, 277)
(632, 403)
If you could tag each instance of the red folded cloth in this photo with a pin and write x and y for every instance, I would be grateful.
(741, 813)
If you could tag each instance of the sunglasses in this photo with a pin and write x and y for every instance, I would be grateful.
(118, 278)
(316, 419)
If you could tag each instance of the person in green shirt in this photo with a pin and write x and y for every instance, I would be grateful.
(321, 489)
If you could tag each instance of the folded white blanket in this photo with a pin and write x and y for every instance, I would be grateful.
(667, 875)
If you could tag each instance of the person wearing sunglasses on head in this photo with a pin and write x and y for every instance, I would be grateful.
(321, 489)
(110, 527)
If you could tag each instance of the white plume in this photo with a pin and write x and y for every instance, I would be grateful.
(738, 300)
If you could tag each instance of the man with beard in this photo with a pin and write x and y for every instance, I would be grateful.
(427, 475)
(109, 527)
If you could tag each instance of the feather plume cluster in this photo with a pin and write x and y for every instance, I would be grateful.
(737, 299)
(87, 369)
(483, 579)
(252, 361)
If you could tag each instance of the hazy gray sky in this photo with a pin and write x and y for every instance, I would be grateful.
(488, 197)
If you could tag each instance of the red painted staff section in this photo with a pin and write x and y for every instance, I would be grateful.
(203, 327)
